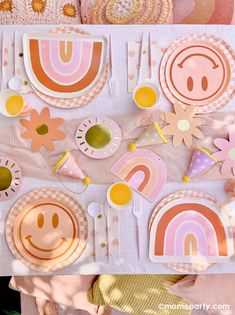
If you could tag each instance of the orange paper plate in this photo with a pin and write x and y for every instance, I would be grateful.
(47, 230)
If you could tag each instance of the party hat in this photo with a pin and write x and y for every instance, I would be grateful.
(67, 166)
(153, 135)
(202, 160)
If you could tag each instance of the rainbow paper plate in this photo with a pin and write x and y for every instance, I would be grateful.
(64, 65)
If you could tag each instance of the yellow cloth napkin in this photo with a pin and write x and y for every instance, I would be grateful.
(138, 294)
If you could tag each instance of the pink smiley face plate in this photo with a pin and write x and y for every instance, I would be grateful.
(198, 70)
(47, 230)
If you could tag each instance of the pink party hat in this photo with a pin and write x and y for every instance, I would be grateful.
(67, 166)
(153, 135)
(202, 160)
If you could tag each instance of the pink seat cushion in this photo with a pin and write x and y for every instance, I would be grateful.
(210, 289)
(204, 11)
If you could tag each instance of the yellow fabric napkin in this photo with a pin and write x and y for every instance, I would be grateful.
(138, 294)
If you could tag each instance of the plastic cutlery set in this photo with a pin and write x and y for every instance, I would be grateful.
(106, 225)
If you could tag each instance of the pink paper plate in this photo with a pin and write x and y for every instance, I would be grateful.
(77, 101)
(108, 133)
(198, 70)
(171, 202)
(47, 230)
(10, 178)
(143, 170)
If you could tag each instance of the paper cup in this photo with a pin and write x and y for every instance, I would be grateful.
(119, 195)
(146, 95)
(11, 103)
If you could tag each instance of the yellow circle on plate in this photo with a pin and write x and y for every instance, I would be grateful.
(145, 97)
(120, 194)
(14, 104)
(5, 178)
(98, 136)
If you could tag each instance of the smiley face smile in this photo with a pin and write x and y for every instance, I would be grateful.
(29, 239)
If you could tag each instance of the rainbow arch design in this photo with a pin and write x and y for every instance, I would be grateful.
(64, 65)
(190, 231)
(143, 170)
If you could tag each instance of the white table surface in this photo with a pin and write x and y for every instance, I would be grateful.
(105, 104)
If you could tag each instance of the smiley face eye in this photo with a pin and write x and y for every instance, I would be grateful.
(190, 84)
(40, 220)
(55, 220)
(204, 83)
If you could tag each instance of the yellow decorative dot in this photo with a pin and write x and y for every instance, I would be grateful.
(87, 181)
(69, 10)
(132, 147)
(102, 245)
(186, 179)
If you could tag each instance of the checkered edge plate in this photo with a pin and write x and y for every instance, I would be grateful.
(78, 101)
(229, 53)
(187, 267)
(58, 196)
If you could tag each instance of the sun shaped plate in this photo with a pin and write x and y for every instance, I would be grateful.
(47, 230)
(98, 137)
(10, 178)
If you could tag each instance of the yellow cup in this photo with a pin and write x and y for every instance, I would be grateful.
(11, 103)
(146, 95)
(119, 195)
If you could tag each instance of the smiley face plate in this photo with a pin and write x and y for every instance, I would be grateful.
(47, 230)
(198, 70)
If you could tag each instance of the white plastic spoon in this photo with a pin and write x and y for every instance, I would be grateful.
(94, 209)
(15, 83)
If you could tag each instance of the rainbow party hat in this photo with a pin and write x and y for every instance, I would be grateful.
(202, 160)
(67, 166)
(153, 135)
